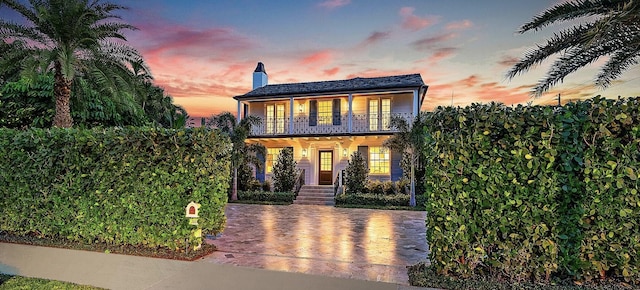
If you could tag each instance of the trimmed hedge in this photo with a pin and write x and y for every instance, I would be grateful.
(378, 200)
(118, 186)
(531, 193)
(267, 196)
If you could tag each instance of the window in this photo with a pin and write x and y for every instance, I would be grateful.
(272, 156)
(324, 113)
(379, 114)
(373, 115)
(275, 118)
(379, 160)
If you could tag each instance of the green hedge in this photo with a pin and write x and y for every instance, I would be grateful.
(531, 193)
(119, 186)
(378, 200)
(267, 196)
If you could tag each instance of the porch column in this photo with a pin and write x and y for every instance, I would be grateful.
(416, 103)
(239, 116)
(291, 115)
(350, 116)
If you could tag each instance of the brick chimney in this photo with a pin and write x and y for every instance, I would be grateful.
(259, 76)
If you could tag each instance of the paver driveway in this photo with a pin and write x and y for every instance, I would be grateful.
(354, 243)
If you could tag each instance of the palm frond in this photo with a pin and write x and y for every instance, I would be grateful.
(571, 10)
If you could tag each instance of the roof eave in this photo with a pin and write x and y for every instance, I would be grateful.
(328, 93)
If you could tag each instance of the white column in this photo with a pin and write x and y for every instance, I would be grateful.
(416, 103)
(350, 118)
(291, 115)
(239, 115)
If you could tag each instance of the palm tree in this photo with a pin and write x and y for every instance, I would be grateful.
(69, 37)
(242, 152)
(609, 28)
(409, 139)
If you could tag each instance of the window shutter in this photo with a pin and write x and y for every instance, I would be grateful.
(260, 172)
(396, 169)
(336, 112)
(313, 113)
(245, 111)
(364, 151)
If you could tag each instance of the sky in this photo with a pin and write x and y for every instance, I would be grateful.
(203, 53)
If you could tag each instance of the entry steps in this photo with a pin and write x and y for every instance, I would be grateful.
(316, 195)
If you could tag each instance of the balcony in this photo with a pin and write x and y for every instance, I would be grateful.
(360, 124)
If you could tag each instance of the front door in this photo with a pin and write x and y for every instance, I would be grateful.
(326, 168)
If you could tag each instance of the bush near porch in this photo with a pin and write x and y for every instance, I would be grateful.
(266, 197)
(532, 194)
(116, 186)
(381, 201)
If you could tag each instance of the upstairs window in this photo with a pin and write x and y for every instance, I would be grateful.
(275, 118)
(379, 114)
(324, 113)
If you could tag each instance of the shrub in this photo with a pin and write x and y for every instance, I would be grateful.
(356, 174)
(374, 187)
(266, 185)
(267, 196)
(402, 187)
(389, 188)
(284, 171)
(533, 193)
(254, 185)
(377, 200)
(118, 186)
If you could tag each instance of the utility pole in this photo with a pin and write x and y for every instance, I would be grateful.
(559, 103)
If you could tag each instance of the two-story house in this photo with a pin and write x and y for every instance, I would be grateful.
(325, 122)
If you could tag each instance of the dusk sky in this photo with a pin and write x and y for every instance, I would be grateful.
(204, 52)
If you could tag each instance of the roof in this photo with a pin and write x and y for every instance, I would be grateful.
(342, 86)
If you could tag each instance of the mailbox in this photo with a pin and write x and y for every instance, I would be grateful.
(191, 211)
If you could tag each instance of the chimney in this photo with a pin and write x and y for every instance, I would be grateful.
(259, 76)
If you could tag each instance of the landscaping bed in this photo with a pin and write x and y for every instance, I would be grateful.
(379, 201)
(19, 282)
(265, 197)
(422, 275)
(159, 252)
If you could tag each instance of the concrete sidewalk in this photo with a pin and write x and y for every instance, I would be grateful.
(114, 271)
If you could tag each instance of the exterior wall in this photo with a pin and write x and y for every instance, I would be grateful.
(401, 105)
(342, 149)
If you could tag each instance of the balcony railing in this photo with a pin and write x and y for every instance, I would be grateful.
(360, 123)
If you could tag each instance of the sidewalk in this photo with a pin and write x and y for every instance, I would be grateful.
(114, 271)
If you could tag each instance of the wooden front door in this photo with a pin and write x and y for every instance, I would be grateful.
(326, 168)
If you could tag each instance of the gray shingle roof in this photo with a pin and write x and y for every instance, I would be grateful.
(325, 87)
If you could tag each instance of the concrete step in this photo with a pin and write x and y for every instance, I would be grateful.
(314, 202)
(310, 198)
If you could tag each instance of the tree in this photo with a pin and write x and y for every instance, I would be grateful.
(69, 37)
(608, 28)
(238, 132)
(409, 139)
(356, 174)
(284, 171)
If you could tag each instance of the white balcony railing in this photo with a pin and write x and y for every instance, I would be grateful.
(360, 123)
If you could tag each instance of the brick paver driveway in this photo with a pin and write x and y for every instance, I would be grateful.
(354, 243)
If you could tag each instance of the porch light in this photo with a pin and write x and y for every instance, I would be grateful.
(301, 108)
(344, 152)
(304, 152)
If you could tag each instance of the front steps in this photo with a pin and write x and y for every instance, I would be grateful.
(316, 195)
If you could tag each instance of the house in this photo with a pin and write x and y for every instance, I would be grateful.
(325, 122)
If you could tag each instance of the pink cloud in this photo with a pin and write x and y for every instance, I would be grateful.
(322, 57)
(459, 25)
(376, 37)
(412, 22)
(332, 4)
(431, 42)
(442, 53)
(331, 71)
(508, 61)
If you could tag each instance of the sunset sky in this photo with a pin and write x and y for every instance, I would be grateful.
(203, 52)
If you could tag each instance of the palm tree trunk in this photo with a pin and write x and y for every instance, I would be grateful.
(62, 93)
(234, 190)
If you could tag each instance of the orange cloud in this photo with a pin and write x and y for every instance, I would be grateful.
(442, 53)
(412, 22)
(331, 71)
(318, 58)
